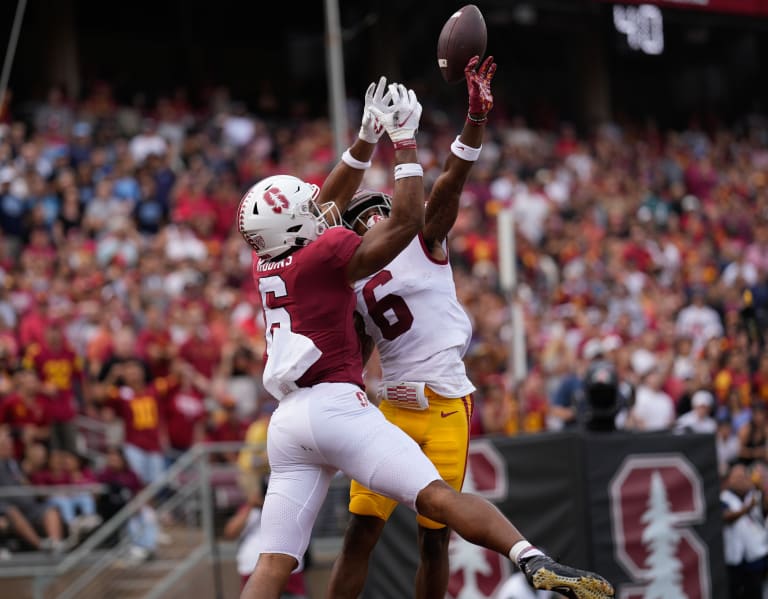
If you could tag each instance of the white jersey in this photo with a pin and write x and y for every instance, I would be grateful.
(420, 329)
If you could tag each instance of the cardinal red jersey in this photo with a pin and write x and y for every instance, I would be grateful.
(149, 343)
(308, 292)
(58, 367)
(47, 477)
(184, 409)
(204, 353)
(140, 411)
(228, 430)
(760, 386)
(19, 414)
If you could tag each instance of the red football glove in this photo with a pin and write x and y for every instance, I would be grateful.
(479, 86)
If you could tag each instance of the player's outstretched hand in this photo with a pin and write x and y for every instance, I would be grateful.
(479, 86)
(401, 117)
(371, 129)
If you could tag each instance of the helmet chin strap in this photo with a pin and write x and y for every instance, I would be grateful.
(290, 250)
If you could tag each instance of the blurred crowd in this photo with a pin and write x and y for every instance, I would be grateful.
(126, 295)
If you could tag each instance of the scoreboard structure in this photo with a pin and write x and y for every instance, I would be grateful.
(743, 7)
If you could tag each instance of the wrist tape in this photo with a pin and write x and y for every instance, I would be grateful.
(465, 152)
(353, 162)
(408, 169)
(405, 144)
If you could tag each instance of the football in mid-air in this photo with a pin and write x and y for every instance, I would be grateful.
(463, 36)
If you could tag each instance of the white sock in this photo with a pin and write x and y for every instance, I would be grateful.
(522, 549)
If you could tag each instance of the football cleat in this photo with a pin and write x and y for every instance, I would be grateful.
(544, 573)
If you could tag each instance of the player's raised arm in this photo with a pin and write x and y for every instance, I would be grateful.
(443, 204)
(385, 241)
(347, 175)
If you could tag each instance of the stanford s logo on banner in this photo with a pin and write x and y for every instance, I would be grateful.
(475, 572)
(655, 500)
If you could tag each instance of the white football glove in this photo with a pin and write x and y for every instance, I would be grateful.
(371, 129)
(401, 117)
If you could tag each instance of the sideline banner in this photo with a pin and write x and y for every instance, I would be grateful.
(656, 517)
(641, 509)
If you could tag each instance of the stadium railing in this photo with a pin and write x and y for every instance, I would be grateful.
(50, 490)
(96, 436)
(194, 493)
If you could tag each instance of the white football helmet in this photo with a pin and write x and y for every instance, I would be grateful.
(279, 213)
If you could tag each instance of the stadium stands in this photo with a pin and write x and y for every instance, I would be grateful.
(645, 248)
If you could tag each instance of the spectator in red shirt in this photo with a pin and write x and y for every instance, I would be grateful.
(53, 472)
(191, 201)
(734, 374)
(39, 253)
(184, 409)
(25, 514)
(35, 459)
(8, 367)
(154, 342)
(226, 426)
(701, 177)
(138, 402)
(636, 250)
(33, 322)
(200, 349)
(9, 341)
(27, 411)
(122, 482)
(533, 401)
(760, 380)
(59, 369)
(225, 198)
(77, 510)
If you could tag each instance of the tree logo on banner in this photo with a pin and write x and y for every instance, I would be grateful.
(475, 572)
(661, 538)
(655, 501)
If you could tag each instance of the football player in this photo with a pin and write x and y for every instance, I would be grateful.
(410, 312)
(324, 422)
(425, 390)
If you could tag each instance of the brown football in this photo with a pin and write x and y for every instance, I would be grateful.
(463, 36)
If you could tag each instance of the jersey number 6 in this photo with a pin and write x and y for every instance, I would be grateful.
(274, 298)
(390, 302)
